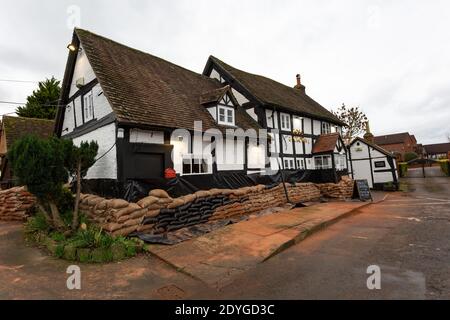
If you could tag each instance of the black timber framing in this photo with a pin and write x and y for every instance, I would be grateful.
(91, 126)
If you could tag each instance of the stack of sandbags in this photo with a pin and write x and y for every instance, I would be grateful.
(122, 218)
(159, 213)
(187, 211)
(342, 190)
(304, 192)
(16, 204)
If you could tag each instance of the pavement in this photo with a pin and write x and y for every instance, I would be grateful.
(217, 257)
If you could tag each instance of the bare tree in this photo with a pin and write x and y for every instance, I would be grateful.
(355, 119)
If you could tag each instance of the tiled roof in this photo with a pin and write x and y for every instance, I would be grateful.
(17, 127)
(392, 138)
(326, 143)
(437, 148)
(272, 93)
(147, 90)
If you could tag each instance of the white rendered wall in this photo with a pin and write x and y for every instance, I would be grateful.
(82, 69)
(307, 126)
(102, 107)
(317, 127)
(146, 136)
(105, 168)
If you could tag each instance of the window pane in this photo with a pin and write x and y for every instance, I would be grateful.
(230, 116)
(292, 164)
(196, 166)
(187, 166)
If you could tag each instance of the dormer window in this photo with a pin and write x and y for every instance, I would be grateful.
(226, 115)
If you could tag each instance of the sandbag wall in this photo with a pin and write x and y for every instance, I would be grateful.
(342, 190)
(16, 204)
(159, 213)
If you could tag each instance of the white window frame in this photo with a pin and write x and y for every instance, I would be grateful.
(88, 105)
(300, 164)
(285, 120)
(321, 165)
(194, 160)
(326, 128)
(289, 163)
(227, 112)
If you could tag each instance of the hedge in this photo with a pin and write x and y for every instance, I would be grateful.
(403, 166)
(445, 166)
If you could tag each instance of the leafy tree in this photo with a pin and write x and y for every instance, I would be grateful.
(42, 103)
(44, 166)
(354, 118)
(410, 156)
(78, 161)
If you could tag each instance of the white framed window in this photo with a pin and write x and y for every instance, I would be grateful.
(322, 162)
(285, 120)
(88, 104)
(300, 164)
(340, 162)
(289, 164)
(226, 115)
(326, 128)
(195, 165)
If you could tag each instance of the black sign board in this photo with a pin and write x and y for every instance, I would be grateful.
(362, 190)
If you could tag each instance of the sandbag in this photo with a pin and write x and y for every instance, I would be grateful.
(148, 201)
(127, 210)
(118, 204)
(176, 203)
(159, 193)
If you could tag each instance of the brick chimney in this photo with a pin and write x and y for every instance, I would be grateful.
(369, 136)
(299, 85)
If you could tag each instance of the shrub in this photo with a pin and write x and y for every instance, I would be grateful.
(91, 245)
(36, 224)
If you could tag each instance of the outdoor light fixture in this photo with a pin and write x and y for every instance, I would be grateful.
(180, 138)
(120, 133)
(72, 47)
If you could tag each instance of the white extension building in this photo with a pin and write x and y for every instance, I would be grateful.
(367, 161)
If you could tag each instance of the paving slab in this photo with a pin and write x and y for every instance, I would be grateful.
(216, 257)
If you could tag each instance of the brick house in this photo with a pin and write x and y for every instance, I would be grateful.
(12, 129)
(398, 144)
(437, 151)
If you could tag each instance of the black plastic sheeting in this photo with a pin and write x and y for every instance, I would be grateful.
(134, 190)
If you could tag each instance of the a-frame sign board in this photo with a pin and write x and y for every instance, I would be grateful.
(362, 191)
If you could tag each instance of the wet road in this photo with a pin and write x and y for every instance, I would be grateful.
(407, 236)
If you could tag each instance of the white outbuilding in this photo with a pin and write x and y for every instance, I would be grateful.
(367, 161)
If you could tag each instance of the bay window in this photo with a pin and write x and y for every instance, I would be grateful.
(323, 162)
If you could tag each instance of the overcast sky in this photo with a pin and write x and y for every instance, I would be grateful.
(391, 58)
